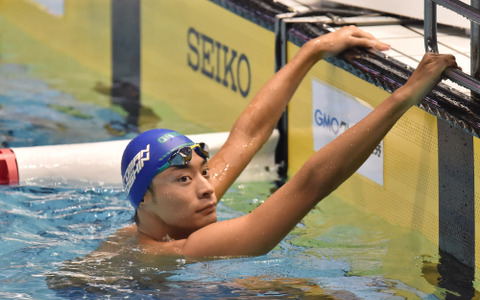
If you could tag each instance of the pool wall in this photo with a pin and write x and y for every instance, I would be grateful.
(194, 65)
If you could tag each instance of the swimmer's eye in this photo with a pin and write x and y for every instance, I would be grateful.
(184, 179)
(206, 172)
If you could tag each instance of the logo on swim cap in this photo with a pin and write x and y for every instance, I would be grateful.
(168, 136)
(134, 167)
(144, 156)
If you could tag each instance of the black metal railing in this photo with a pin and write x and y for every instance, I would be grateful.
(471, 12)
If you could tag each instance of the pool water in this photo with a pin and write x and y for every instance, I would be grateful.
(336, 251)
(47, 233)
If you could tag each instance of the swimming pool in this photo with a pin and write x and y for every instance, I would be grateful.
(337, 252)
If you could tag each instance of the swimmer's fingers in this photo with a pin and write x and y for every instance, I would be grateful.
(365, 39)
(347, 37)
(434, 64)
(428, 74)
(371, 43)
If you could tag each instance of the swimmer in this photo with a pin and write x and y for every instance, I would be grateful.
(174, 185)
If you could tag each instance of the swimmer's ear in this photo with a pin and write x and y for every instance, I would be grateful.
(141, 204)
(146, 197)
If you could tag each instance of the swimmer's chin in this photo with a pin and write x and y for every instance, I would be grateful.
(211, 218)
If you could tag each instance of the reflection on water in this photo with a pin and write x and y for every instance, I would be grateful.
(455, 278)
(32, 114)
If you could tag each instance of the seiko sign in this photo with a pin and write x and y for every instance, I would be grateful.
(218, 62)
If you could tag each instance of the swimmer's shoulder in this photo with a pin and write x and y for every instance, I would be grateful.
(128, 239)
(129, 236)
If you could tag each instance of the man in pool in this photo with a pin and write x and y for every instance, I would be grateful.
(174, 186)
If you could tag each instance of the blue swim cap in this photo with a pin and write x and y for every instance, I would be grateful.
(144, 156)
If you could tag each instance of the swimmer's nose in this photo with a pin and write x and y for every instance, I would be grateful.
(205, 187)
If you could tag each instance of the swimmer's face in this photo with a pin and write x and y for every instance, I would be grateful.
(183, 197)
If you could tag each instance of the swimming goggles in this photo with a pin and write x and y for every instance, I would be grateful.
(182, 156)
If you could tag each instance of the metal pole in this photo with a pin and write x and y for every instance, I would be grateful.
(475, 46)
(430, 26)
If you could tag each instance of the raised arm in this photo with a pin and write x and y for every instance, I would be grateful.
(262, 229)
(256, 123)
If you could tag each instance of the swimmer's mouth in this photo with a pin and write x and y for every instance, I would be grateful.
(208, 209)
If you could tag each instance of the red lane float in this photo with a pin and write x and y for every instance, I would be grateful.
(8, 167)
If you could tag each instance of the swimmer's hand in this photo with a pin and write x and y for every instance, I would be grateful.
(425, 77)
(349, 36)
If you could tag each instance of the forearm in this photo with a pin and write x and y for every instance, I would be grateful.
(264, 111)
(256, 123)
(333, 164)
(337, 161)
(260, 117)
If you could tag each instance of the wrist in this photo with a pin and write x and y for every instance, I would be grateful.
(404, 98)
(315, 49)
